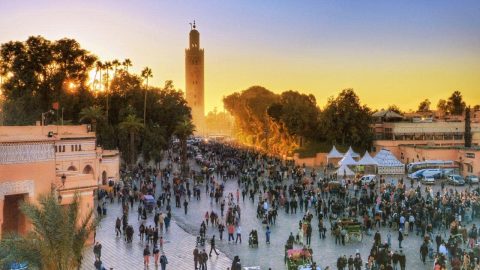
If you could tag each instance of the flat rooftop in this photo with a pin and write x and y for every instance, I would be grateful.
(40, 133)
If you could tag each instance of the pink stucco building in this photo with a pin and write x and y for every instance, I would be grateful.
(40, 159)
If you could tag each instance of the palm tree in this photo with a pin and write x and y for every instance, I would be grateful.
(183, 130)
(146, 73)
(58, 238)
(92, 115)
(127, 63)
(131, 125)
(98, 69)
(107, 67)
(115, 64)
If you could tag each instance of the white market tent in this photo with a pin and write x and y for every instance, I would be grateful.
(352, 153)
(334, 154)
(347, 160)
(344, 170)
(388, 163)
(367, 160)
(367, 164)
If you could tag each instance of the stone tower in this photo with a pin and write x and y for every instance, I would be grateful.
(194, 83)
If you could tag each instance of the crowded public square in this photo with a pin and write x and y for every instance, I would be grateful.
(240, 207)
(239, 135)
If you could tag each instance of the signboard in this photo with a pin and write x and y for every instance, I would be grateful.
(470, 155)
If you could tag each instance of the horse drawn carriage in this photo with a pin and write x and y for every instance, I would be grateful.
(353, 229)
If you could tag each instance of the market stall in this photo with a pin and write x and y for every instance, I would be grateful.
(334, 156)
(388, 163)
(367, 164)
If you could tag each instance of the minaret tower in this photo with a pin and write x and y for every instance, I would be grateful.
(194, 83)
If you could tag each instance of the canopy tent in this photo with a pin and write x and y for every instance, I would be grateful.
(352, 153)
(334, 153)
(344, 170)
(388, 163)
(367, 164)
(334, 156)
(347, 160)
(367, 160)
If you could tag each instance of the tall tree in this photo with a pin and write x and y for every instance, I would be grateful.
(58, 238)
(468, 128)
(107, 67)
(424, 106)
(345, 121)
(442, 106)
(126, 64)
(455, 103)
(146, 73)
(38, 71)
(132, 126)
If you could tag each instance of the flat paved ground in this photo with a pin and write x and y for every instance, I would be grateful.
(181, 240)
(117, 254)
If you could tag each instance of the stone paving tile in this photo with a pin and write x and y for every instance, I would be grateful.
(117, 254)
(325, 251)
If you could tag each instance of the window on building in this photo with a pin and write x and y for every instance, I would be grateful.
(71, 146)
(79, 147)
(63, 148)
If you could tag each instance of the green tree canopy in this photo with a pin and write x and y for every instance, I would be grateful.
(424, 106)
(455, 104)
(42, 72)
(345, 121)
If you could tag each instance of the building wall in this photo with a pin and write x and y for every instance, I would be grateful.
(27, 168)
(68, 162)
(463, 157)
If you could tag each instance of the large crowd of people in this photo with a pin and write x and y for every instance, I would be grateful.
(350, 211)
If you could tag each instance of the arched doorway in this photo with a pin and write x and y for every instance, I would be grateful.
(88, 170)
(72, 168)
(104, 178)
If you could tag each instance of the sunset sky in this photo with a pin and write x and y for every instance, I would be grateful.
(390, 52)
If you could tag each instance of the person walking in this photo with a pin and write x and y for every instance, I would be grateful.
(231, 230)
(212, 246)
(221, 228)
(156, 254)
(146, 256)
(163, 261)
(239, 234)
(196, 255)
(402, 260)
(185, 206)
(118, 224)
(97, 250)
(267, 235)
(423, 252)
(400, 238)
(236, 265)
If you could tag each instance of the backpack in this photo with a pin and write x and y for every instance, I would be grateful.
(163, 259)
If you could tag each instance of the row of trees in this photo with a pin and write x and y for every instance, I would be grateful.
(454, 105)
(281, 123)
(39, 74)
